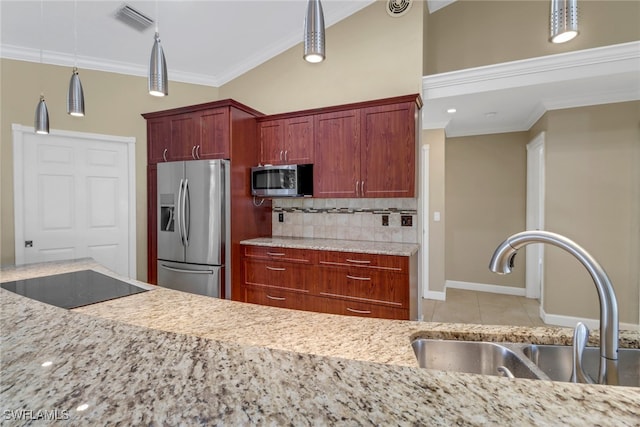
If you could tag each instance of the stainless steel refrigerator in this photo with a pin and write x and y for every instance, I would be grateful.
(193, 227)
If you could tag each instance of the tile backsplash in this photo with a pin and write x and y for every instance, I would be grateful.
(350, 219)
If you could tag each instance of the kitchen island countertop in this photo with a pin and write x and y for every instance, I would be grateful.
(166, 357)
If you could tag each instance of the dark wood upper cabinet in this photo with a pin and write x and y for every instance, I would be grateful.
(159, 136)
(286, 141)
(388, 150)
(336, 172)
(369, 151)
(183, 135)
(214, 138)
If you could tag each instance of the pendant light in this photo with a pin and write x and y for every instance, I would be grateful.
(563, 20)
(314, 32)
(42, 117)
(41, 122)
(75, 95)
(158, 81)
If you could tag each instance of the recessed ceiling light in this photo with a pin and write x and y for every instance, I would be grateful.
(451, 110)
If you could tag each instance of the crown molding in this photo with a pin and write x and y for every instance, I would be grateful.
(600, 61)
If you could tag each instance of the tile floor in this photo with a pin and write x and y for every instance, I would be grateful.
(484, 308)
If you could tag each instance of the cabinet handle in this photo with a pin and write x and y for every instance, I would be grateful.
(362, 189)
(285, 155)
(193, 152)
(198, 152)
(280, 155)
(275, 298)
(276, 268)
(353, 310)
(164, 154)
(357, 278)
(357, 182)
(357, 261)
(275, 253)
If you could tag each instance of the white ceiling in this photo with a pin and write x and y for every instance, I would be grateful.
(205, 42)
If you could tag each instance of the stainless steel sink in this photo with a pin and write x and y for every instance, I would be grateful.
(555, 362)
(473, 357)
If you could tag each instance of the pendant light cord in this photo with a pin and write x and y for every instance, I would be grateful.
(157, 19)
(75, 35)
(41, 43)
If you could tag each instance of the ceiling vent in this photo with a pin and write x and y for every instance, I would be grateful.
(133, 18)
(397, 8)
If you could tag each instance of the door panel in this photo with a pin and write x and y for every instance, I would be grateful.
(206, 211)
(76, 200)
(170, 245)
(195, 279)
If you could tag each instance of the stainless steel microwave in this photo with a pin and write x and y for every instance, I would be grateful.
(282, 181)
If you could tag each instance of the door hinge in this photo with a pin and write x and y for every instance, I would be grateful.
(28, 243)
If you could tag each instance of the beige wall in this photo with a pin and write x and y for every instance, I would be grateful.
(472, 33)
(485, 195)
(113, 106)
(370, 55)
(593, 197)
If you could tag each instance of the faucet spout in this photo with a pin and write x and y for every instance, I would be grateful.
(502, 263)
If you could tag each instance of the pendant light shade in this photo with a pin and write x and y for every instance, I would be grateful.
(314, 32)
(42, 117)
(563, 20)
(75, 96)
(158, 81)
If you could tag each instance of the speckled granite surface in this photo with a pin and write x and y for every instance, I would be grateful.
(382, 248)
(165, 357)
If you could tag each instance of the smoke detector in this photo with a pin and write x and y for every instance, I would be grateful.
(397, 8)
(133, 18)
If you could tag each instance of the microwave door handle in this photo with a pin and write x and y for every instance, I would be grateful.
(179, 215)
(186, 211)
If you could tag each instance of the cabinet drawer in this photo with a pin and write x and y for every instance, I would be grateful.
(353, 308)
(282, 254)
(277, 274)
(278, 298)
(352, 259)
(364, 285)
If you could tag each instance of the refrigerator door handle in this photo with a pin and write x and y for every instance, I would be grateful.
(180, 213)
(186, 212)
(180, 270)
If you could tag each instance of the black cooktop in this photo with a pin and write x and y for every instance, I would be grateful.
(72, 290)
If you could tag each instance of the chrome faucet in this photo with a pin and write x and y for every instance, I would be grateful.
(502, 263)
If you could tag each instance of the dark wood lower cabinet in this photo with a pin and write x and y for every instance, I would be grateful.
(330, 282)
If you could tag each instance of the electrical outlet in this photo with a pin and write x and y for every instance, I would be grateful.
(385, 220)
(406, 220)
(281, 217)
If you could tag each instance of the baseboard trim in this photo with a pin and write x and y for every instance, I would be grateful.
(483, 287)
(570, 321)
(436, 295)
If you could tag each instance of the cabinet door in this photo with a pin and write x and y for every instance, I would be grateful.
(158, 137)
(298, 140)
(337, 154)
(213, 142)
(183, 137)
(389, 150)
(271, 135)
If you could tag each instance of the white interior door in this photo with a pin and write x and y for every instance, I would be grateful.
(73, 198)
(534, 276)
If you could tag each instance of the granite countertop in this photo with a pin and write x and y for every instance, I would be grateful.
(381, 248)
(167, 357)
